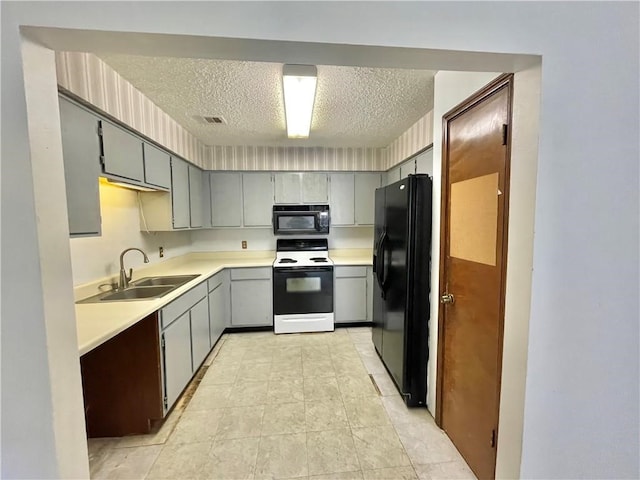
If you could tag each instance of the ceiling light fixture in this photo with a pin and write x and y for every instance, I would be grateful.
(299, 85)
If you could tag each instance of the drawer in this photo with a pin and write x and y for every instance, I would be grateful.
(345, 272)
(251, 273)
(217, 280)
(181, 304)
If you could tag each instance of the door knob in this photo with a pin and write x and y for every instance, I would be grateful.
(447, 298)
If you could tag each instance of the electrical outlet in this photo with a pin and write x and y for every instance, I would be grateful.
(244, 244)
(161, 252)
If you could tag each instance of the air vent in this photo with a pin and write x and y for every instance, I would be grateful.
(215, 120)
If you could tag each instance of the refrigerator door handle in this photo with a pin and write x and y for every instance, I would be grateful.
(382, 260)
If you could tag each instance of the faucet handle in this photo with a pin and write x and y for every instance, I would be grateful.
(130, 275)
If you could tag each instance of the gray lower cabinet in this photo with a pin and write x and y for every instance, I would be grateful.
(343, 198)
(180, 199)
(226, 199)
(195, 197)
(218, 311)
(251, 297)
(122, 153)
(370, 281)
(257, 199)
(200, 341)
(177, 366)
(157, 166)
(365, 191)
(350, 294)
(81, 154)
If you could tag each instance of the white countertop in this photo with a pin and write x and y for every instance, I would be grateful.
(98, 322)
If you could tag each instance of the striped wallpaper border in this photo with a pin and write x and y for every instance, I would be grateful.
(414, 139)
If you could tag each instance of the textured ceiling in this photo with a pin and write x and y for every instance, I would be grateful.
(354, 106)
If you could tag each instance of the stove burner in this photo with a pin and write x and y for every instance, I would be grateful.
(287, 260)
(318, 259)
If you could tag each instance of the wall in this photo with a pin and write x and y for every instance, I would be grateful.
(93, 258)
(94, 81)
(582, 397)
(228, 239)
(415, 138)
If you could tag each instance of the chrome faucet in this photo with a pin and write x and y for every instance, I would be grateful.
(124, 279)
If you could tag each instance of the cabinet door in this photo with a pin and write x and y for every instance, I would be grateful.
(370, 294)
(393, 175)
(81, 152)
(257, 199)
(424, 162)
(206, 200)
(314, 188)
(342, 199)
(251, 303)
(365, 188)
(226, 199)
(180, 193)
(122, 153)
(157, 166)
(350, 296)
(195, 197)
(177, 358)
(218, 299)
(287, 188)
(407, 168)
(200, 341)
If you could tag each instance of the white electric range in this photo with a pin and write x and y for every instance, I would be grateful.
(302, 286)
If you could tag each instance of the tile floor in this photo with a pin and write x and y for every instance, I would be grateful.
(287, 406)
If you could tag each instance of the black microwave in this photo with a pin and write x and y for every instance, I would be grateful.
(301, 219)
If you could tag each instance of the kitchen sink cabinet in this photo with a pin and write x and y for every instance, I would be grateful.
(226, 199)
(122, 382)
(365, 189)
(157, 166)
(195, 197)
(257, 199)
(81, 153)
(350, 294)
(343, 198)
(122, 153)
(251, 297)
(177, 363)
(200, 339)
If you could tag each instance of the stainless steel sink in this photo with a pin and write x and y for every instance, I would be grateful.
(142, 289)
(176, 280)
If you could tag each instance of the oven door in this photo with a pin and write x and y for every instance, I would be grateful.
(298, 290)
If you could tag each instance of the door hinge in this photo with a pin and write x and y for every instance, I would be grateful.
(102, 160)
(100, 130)
(505, 132)
(162, 341)
(166, 403)
(493, 438)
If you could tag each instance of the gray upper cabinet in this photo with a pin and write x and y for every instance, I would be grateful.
(314, 188)
(81, 152)
(287, 188)
(226, 199)
(424, 162)
(257, 199)
(393, 175)
(195, 197)
(122, 153)
(342, 198)
(365, 188)
(206, 200)
(408, 168)
(180, 193)
(157, 166)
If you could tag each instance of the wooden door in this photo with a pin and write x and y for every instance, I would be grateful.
(475, 190)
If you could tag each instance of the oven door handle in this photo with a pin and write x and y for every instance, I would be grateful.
(289, 270)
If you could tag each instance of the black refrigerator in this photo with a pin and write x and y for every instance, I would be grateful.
(401, 265)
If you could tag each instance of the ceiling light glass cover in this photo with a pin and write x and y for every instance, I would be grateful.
(299, 85)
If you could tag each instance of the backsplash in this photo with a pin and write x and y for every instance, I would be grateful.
(417, 137)
(93, 258)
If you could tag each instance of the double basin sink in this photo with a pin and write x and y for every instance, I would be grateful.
(143, 289)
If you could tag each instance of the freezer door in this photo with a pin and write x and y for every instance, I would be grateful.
(378, 301)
